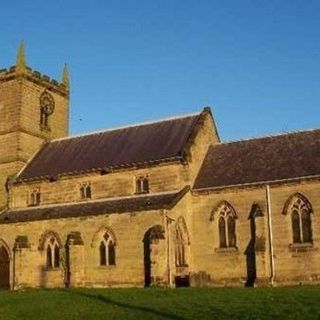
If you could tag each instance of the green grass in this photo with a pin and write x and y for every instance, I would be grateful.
(177, 304)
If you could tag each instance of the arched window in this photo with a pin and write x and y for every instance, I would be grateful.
(53, 253)
(222, 233)
(107, 251)
(142, 184)
(85, 191)
(181, 243)
(231, 231)
(180, 250)
(226, 225)
(295, 220)
(35, 197)
(44, 117)
(46, 109)
(300, 210)
(103, 254)
(49, 257)
(111, 253)
(56, 256)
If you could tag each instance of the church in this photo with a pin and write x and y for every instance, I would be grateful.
(163, 203)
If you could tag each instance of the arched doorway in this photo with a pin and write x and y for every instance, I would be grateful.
(153, 245)
(4, 268)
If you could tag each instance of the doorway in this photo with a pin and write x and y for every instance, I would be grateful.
(152, 242)
(4, 268)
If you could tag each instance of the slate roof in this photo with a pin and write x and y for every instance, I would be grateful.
(124, 147)
(285, 156)
(93, 208)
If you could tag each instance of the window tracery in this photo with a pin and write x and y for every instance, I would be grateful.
(107, 250)
(226, 226)
(52, 253)
(300, 211)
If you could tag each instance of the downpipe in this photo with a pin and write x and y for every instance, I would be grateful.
(270, 235)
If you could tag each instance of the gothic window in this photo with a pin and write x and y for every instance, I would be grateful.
(53, 253)
(222, 233)
(103, 254)
(85, 191)
(46, 109)
(300, 211)
(226, 226)
(107, 251)
(181, 243)
(142, 184)
(231, 225)
(35, 198)
(49, 257)
(180, 250)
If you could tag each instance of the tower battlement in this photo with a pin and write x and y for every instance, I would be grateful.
(36, 77)
(22, 70)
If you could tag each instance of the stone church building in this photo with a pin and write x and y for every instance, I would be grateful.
(161, 203)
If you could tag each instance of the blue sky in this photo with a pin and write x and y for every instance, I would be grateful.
(255, 62)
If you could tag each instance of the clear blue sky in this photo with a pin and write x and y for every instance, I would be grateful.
(255, 62)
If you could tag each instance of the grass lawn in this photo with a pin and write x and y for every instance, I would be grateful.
(185, 303)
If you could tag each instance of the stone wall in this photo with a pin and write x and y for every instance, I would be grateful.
(292, 264)
(205, 262)
(28, 265)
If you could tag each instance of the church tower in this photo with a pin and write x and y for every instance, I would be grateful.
(34, 109)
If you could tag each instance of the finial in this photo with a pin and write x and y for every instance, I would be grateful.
(21, 59)
(65, 80)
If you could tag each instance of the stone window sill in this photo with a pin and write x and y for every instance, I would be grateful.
(226, 250)
(45, 128)
(182, 266)
(85, 199)
(141, 192)
(107, 267)
(53, 269)
(301, 247)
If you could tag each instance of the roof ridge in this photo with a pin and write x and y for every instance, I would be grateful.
(269, 136)
(139, 124)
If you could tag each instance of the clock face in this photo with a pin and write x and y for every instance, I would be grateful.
(47, 103)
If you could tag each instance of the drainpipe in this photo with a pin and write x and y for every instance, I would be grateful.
(270, 235)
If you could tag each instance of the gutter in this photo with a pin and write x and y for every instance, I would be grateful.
(253, 184)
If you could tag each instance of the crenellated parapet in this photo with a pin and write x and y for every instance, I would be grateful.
(22, 70)
(36, 77)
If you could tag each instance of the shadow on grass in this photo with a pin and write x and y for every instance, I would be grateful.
(108, 301)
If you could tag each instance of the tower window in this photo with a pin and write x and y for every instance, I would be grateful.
(46, 109)
(142, 184)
